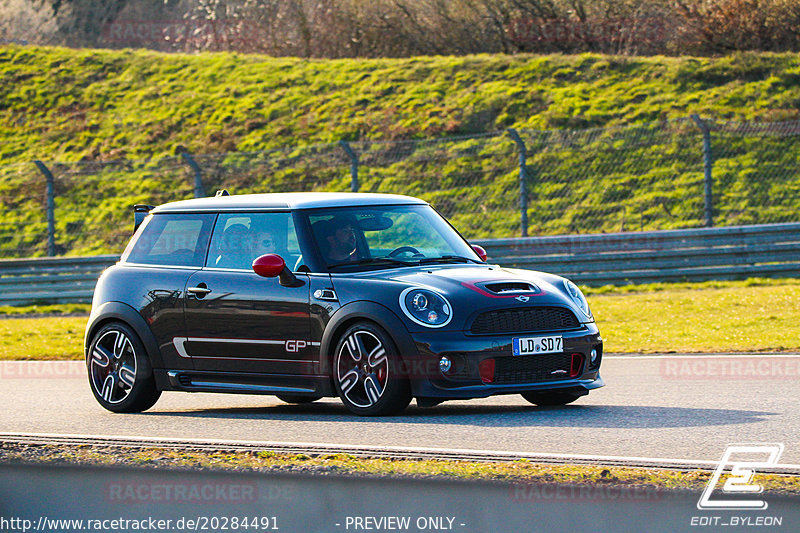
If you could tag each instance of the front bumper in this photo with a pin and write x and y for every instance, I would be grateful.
(570, 369)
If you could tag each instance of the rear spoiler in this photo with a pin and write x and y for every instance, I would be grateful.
(140, 211)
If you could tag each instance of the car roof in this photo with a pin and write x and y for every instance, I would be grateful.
(283, 201)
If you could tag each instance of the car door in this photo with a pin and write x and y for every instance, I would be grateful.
(238, 321)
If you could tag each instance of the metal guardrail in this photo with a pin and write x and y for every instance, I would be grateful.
(51, 280)
(738, 252)
(735, 252)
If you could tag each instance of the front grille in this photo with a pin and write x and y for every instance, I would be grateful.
(524, 319)
(532, 368)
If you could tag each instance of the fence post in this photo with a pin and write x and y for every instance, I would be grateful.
(353, 165)
(199, 191)
(50, 207)
(523, 179)
(708, 164)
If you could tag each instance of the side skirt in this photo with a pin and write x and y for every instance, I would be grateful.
(231, 382)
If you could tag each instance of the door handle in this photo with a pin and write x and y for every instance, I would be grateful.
(199, 291)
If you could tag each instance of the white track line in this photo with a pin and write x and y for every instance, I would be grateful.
(563, 457)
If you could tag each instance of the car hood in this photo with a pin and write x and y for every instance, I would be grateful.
(470, 288)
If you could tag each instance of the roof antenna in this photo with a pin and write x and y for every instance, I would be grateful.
(222, 192)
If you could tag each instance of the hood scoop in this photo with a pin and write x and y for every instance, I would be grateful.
(507, 288)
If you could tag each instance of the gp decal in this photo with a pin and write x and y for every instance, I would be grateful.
(290, 345)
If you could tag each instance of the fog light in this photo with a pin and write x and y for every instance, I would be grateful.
(593, 356)
(445, 364)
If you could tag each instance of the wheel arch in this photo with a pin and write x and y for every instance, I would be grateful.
(371, 312)
(121, 312)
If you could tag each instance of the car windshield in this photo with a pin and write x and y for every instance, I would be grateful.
(366, 238)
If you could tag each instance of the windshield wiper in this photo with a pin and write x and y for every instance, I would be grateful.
(385, 261)
(448, 259)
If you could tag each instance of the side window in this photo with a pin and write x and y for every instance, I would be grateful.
(172, 239)
(239, 238)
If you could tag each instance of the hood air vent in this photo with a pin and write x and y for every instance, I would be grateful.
(510, 287)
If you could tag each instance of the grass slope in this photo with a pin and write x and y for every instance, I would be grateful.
(66, 105)
(98, 105)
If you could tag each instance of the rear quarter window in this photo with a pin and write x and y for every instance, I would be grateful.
(171, 240)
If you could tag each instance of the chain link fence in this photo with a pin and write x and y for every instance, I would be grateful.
(682, 173)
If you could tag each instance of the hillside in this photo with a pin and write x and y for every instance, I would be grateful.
(67, 105)
(64, 105)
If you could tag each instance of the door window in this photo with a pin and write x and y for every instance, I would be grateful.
(239, 238)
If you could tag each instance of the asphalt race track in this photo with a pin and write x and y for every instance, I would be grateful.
(683, 408)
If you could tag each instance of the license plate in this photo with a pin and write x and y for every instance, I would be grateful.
(534, 345)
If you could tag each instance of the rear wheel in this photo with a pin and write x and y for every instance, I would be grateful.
(120, 375)
(297, 398)
(546, 399)
(367, 372)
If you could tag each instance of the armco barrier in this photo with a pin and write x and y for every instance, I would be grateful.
(51, 280)
(736, 252)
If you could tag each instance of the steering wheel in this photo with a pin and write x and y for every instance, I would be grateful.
(404, 249)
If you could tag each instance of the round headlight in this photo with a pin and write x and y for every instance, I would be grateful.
(577, 297)
(425, 307)
(419, 302)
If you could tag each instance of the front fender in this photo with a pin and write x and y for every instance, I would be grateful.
(374, 312)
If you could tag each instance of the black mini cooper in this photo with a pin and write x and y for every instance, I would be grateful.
(373, 298)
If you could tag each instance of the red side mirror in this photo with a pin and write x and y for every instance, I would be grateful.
(269, 265)
(481, 252)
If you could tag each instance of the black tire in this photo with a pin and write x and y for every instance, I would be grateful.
(548, 399)
(119, 370)
(367, 372)
(297, 398)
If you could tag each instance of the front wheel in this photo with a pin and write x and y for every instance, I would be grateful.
(547, 399)
(367, 372)
(120, 375)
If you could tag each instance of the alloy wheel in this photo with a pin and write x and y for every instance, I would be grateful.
(362, 368)
(112, 366)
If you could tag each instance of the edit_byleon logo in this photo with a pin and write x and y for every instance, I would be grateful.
(731, 486)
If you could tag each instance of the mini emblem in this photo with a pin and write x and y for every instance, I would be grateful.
(559, 371)
(523, 298)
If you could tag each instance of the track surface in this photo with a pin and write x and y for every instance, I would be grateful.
(673, 415)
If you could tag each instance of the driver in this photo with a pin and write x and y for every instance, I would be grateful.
(340, 238)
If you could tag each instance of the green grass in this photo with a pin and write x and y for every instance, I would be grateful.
(92, 106)
(616, 290)
(7, 311)
(68, 105)
(51, 338)
(522, 473)
(737, 316)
